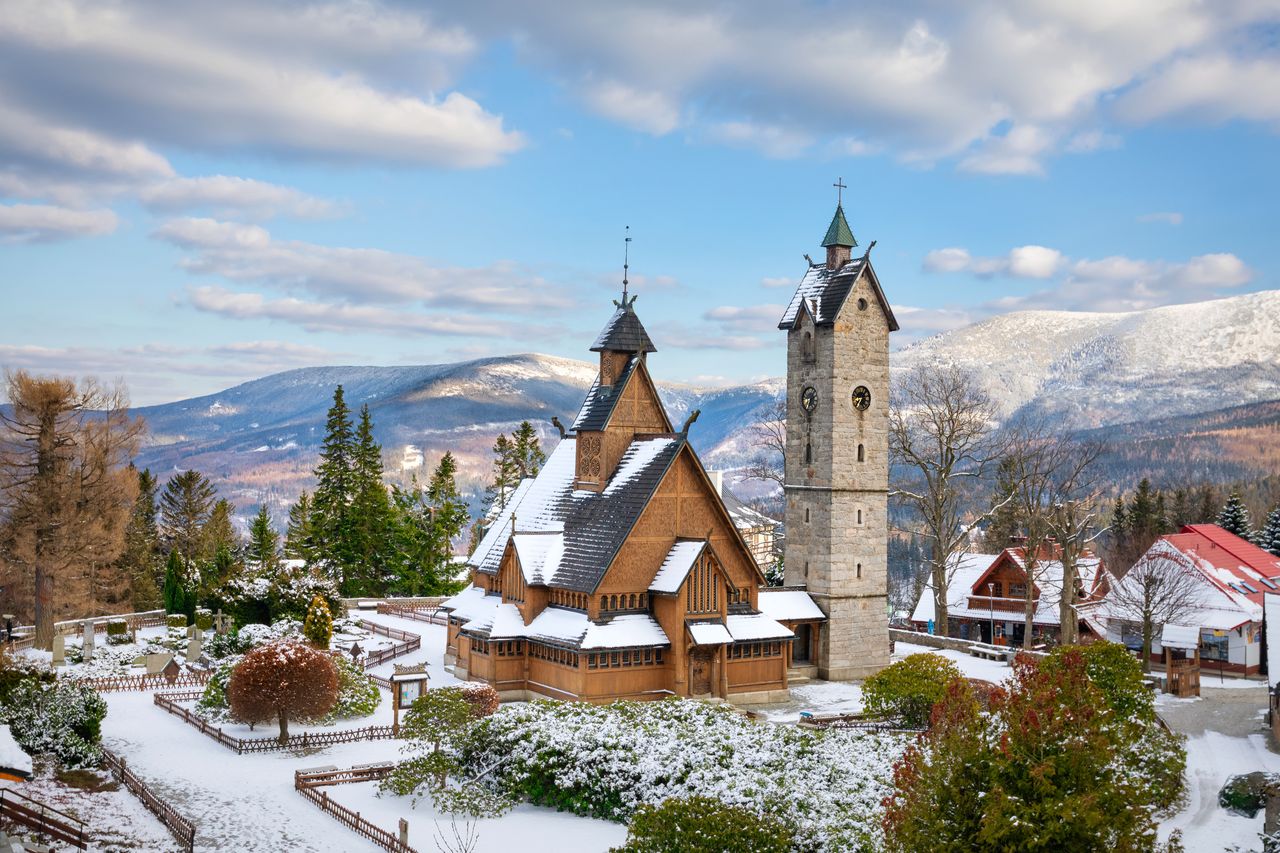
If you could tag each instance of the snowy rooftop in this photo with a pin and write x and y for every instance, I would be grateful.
(756, 626)
(1179, 636)
(488, 616)
(12, 758)
(789, 605)
(824, 292)
(969, 569)
(675, 568)
(709, 634)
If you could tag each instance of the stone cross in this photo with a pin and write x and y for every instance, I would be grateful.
(59, 650)
(220, 622)
(89, 630)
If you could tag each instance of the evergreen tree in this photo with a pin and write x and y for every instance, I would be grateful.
(1006, 522)
(1268, 538)
(1180, 511)
(264, 543)
(221, 570)
(141, 558)
(331, 521)
(428, 523)
(219, 532)
(1144, 522)
(185, 506)
(526, 453)
(299, 538)
(1208, 509)
(1119, 519)
(175, 585)
(1234, 517)
(318, 626)
(371, 512)
(1162, 515)
(506, 476)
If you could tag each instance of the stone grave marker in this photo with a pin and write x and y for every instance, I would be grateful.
(89, 630)
(59, 650)
(194, 646)
(156, 662)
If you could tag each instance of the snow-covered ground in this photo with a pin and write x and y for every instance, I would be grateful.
(1212, 758)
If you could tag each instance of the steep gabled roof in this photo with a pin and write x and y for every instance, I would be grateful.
(594, 524)
(838, 232)
(602, 399)
(624, 332)
(824, 293)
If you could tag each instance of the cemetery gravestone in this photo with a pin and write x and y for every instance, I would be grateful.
(157, 662)
(89, 630)
(59, 650)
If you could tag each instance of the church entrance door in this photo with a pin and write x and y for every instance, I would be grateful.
(700, 672)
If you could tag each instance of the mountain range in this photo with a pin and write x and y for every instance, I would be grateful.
(1200, 377)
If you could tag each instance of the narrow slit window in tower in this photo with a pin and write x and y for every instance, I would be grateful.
(859, 570)
(862, 453)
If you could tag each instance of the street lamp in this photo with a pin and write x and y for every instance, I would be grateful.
(991, 610)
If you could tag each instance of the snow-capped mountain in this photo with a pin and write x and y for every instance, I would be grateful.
(1087, 369)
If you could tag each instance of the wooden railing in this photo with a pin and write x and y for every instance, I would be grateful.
(433, 615)
(41, 819)
(997, 604)
(306, 740)
(156, 681)
(307, 783)
(183, 830)
(408, 643)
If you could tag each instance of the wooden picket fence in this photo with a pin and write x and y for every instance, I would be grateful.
(407, 643)
(432, 615)
(156, 681)
(306, 783)
(183, 830)
(306, 740)
(41, 819)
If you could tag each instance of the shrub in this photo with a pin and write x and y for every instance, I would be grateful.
(283, 680)
(118, 632)
(204, 619)
(174, 590)
(1049, 761)
(909, 688)
(318, 628)
(483, 697)
(176, 620)
(357, 695)
(703, 825)
(213, 704)
(62, 719)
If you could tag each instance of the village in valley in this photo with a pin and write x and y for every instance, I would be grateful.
(858, 541)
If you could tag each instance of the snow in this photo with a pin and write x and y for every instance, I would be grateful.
(675, 568)
(788, 605)
(970, 666)
(627, 631)
(11, 755)
(709, 634)
(539, 830)
(1211, 759)
(1271, 606)
(637, 457)
(539, 555)
(756, 627)
(1179, 636)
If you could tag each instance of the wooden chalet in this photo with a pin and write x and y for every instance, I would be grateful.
(617, 571)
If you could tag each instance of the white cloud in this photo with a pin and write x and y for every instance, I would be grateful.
(41, 223)
(1212, 87)
(781, 143)
(746, 318)
(649, 111)
(1020, 151)
(226, 195)
(776, 281)
(249, 254)
(336, 82)
(1169, 217)
(1020, 262)
(1087, 141)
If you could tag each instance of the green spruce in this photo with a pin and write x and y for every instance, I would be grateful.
(1234, 517)
(332, 523)
(299, 537)
(263, 549)
(175, 586)
(1268, 537)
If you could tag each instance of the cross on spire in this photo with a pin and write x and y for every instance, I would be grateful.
(840, 186)
(626, 263)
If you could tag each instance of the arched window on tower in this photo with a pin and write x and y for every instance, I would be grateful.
(862, 453)
(806, 347)
(859, 570)
(808, 453)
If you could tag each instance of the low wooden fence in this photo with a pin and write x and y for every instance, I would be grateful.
(407, 643)
(432, 615)
(144, 619)
(183, 830)
(39, 818)
(306, 740)
(306, 783)
(157, 681)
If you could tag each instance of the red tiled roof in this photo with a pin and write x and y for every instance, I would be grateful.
(1229, 552)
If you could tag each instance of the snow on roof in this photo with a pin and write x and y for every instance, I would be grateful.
(709, 634)
(628, 630)
(12, 756)
(1179, 636)
(789, 605)
(471, 602)
(637, 457)
(675, 568)
(757, 626)
(507, 623)
(744, 517)
(1271, 608)
(539, 555)
(969, 569)
(562, 626)
(489, 552)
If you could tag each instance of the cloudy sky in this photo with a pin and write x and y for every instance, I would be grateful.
(196, 194)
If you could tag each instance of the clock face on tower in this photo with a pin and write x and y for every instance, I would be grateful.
(809, 398)
(861, 398)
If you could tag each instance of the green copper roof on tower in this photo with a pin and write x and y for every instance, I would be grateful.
(838, 233)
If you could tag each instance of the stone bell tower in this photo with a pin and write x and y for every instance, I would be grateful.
(837, 453)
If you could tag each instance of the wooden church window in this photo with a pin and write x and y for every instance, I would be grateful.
(702, 588)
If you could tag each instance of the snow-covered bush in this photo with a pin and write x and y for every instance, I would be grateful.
(357, 695)
(118, 633)
(282, 681)
(826, 787)
(484, 698)
(62, 719)
(703, 825)
(287, 593)
(176, 620)
(213, 704)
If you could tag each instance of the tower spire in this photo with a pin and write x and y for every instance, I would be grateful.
(626, 263)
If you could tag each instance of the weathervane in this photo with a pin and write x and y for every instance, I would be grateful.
(626, 265)
(840, 186)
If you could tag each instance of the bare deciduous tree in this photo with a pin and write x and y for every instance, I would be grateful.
(941, 436)
(1074, 523)
(1162, 587)
(769, 437)
(65, 488)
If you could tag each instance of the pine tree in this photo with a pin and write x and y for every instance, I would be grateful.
(216, 537)
(175, 586)
(264, 543)
(185, 506)
(506, 476)
(1234, 517)
(1268, 538)
(1144, 523)
(1180, 511)
(1208, 508)
(526, 453)
(331, 505)
(1006, 522)
(141, 558)
(428, 522)
(1119, 519)
(1161, 515)
(371, 512)
(299, 538)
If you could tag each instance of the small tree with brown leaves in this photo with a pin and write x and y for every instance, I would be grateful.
(280, 681)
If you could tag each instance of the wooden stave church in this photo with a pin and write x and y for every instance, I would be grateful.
(618, 572)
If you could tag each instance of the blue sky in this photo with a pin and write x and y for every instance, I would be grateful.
(191, 197)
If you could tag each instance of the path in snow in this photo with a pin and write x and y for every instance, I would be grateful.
(1212, 758)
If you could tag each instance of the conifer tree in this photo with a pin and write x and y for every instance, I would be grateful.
(428, 523)
(371, 511)
(264, 543)
(299, 538)
(1208, 508)
(506, 476)
(185, 506)
(141, 558)
(1180, 511)
(318, 626)
(526, 452)
(1006, 521)
(335, 490)
(1119, 519)
(1268, 538)
(175, 585)
(219, 548)
(1144, 522)
(1161, 515)
(1234, 517)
